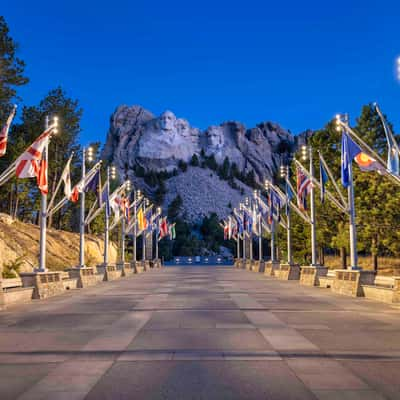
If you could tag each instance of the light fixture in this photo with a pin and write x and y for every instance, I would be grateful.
(89, 152)
(113, 172)
(304, 149)
(55, 124)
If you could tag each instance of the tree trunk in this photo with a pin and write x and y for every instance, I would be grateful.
(343, 256)
(375, 261)
(321, 255)
(11, 200)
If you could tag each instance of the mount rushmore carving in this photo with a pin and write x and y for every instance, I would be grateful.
(138, 138)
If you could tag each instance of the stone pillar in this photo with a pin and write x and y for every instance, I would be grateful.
(271, 267)
(1, 290)
(310, 274)
(348, 282)
(46, 284)
(288, 272)
(86, 276)
(396, 289)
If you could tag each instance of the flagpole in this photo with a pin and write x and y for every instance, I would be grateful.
(244, 234)
(342, 125)
(146, 203)
(312, 212)
(123, 239)
(43, 216)
(157, 230)
(285, 174)
(136, 197)
(82, 214)
(258, 215)
(107, 223)
(352, 224)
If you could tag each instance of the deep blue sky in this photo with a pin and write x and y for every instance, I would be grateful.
(294, 62)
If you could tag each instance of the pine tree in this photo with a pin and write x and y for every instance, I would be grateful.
(11, 70)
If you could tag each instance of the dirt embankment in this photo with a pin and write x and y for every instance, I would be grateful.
(18, 239)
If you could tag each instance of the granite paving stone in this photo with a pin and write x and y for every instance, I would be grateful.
(200, 333)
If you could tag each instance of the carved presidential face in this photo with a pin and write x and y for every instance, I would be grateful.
(256, 136)
(167, 121)
(215, 137)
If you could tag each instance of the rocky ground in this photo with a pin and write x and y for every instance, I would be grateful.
(203, 193)
(18, 239)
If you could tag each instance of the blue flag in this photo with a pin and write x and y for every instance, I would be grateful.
(148, 216)
(323, 178)
(94, 185)
(105, 199)
(239, 224)
(289, 196)
(349, 151)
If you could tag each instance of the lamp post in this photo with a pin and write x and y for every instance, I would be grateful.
(43, 206)
(146, 204)
(344, 118)
(238, 238)
(136, 197)
(284, 172)
(306, 152)
(241, 206)
(273, 257)
(159, 215)
(123, 225)
(250, 240)
(256, 204)
(111, 174)
(87, 155)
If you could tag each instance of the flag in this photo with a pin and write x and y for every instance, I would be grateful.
(226, 231)
(66, 178)
(323, 178)
(393, 149)
(42, 180)
(289, 196)
(147, 220)
(235, 230)
(163, 227)
(4, 132)
(350, 151)
(126, 208)
(240, 224)
(172, 232)
(367, 163)
(75, 194)
(229, 227)
(94, 185)
(140, 220)
(116, 205)
(247, 221)
(105, 199)
(303, 189)
(31, 162)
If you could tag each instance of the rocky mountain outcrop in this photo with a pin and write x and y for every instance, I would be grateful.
(202, 193)
(137, 138)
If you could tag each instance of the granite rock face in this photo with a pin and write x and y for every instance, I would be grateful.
(137, 138)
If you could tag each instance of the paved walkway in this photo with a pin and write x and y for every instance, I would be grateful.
(200, 333)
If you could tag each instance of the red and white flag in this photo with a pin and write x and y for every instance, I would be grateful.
(75, 193)
(66, 178)
(163, 227)
(4, 132)
(31, 162)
